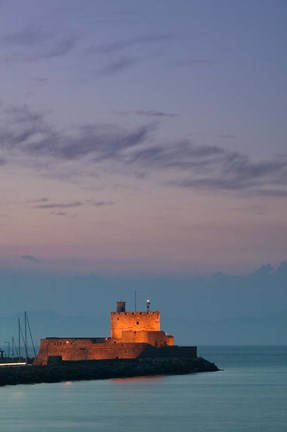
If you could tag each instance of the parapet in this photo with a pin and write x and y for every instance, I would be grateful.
(134, 321)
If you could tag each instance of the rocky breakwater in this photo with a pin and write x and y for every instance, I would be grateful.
(58, 370)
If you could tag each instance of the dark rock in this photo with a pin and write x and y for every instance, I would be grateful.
(58, 371)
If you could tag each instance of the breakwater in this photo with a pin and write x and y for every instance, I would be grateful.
(103, 369)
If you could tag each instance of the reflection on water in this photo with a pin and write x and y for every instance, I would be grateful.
(135, 380)
(249, 395)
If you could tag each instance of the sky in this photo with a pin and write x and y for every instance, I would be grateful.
(142, 140)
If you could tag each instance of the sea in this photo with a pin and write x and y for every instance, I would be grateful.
(248, 394)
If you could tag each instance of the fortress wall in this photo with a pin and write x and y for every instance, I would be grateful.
(68, 349)
(117, 350)
(155, 338)
(133, 321)
(86, 349)
(170, 340)
(171, 352)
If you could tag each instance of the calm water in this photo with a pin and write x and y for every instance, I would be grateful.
(249, 395)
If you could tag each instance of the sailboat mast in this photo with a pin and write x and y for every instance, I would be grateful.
(31, 337)
(25, 334)
(19, 338)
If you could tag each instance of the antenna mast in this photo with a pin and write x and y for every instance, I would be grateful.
(147, 305)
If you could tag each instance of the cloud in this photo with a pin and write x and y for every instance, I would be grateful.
(23, 115)
(30, 258)
(29, 133)
(40, 80)
(100, 142)
(147, 113)
(265, 269)
(67, 205)
(59, 213)
(202, 167)
(273, 192)
(38, 200)
(26, 37)
(34, 44)
(191, 62)
(214, 168)
(182, 156)
(56, 49)
(117, 66)
(59, 205)
(100, 203)
(117, 52)
(115, 47)
(226, 136)
(3, 161)
(151, 113)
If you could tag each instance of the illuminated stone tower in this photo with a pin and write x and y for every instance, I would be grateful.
(141, 327)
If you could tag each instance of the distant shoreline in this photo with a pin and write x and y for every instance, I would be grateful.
(103, 369)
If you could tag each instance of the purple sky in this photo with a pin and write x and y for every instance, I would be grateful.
(143, 136)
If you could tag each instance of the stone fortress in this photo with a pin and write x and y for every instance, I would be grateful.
(133, 335)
